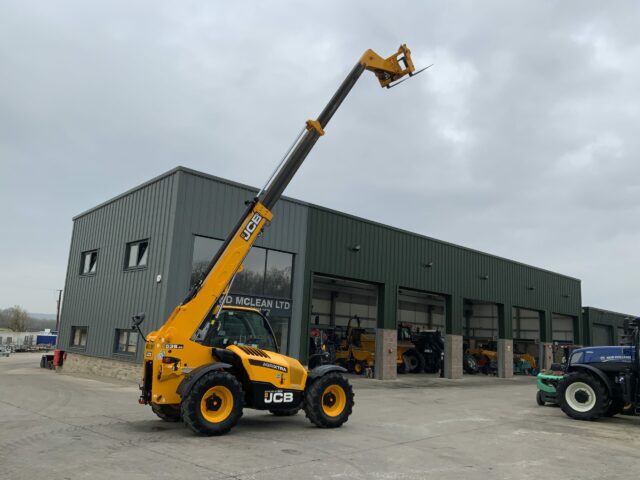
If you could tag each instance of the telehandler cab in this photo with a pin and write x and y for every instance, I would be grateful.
(208, 361)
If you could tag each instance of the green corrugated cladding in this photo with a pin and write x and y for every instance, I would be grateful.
(393, 258)
(591, 315)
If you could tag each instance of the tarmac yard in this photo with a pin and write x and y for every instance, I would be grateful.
(56, 426)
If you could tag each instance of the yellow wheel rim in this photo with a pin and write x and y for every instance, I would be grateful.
(334, 399)
(216, 404)
(357, 368)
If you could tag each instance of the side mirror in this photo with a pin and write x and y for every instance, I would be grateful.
(138, 319)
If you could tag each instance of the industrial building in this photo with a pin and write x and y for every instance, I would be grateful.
(603, 327)
(313, 268)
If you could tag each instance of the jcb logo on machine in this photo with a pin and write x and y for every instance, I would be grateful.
(278, 396)
(251, 226)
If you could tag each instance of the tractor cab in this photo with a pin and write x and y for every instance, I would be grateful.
(606, 359)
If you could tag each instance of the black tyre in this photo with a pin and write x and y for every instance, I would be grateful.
(583, 397)
(413, 361)
(539, 399)
(401, 368)
(615, 407)
(214, 404)
(168, 413)
(470, 364)
(43, 362)
(286, 413)
(431, 363)
(328, 400)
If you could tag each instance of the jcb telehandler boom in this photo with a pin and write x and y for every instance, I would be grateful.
(209, 361)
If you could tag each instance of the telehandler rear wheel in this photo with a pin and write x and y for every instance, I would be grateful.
(168, 413)
(214, 404)
(328, 400)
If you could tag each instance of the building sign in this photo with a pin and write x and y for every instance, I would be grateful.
(274, 306)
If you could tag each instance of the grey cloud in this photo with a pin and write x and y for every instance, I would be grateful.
(520, 141)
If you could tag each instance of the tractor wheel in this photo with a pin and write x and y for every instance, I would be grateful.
(431, 363)
(413, 361)
(583, 397)
(470, 364)
(168, 413)
(214, 404)
(285, 413)
(358, 368)
(328, 400)
(539, 400)
(617, 406)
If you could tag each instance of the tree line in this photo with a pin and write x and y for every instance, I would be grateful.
(17, 319)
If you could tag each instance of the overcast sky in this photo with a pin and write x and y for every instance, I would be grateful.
(522, 140)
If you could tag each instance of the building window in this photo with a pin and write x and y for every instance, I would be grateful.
(277, 281)
(266, 273)
(88, 262)
(126, 341)
(79, 337)
(204, 249)
(137, 253)
(250, 281)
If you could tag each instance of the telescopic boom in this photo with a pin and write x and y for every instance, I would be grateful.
(208, 295)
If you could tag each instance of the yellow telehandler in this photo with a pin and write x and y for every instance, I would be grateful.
(208, 361)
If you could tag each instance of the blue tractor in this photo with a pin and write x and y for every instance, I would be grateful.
(601, 381)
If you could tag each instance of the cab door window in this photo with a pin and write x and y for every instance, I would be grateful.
(234, 327)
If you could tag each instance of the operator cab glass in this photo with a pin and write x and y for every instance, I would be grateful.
(576, 358)
(240, 327)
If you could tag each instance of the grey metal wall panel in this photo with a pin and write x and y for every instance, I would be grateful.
(615, 320)
(210, 206)
(397, 258)
(168, 210)
(108, 299)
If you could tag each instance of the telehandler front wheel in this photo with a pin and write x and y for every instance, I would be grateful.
(328, 400)
(214, 404)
